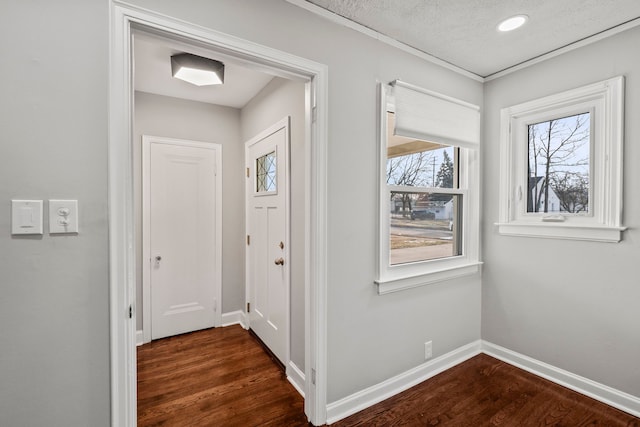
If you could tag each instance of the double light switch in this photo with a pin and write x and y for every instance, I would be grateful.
(63, 216)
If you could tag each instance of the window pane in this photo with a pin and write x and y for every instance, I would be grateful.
(266, 173)
(558, 168)
(424, 226)
(419, 163)
(432, 168)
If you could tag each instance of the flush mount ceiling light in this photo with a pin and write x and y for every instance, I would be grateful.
(512, 23)
(197, 70)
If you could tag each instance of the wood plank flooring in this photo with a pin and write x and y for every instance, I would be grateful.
(484, 391)
(223, 377)
(215, 377)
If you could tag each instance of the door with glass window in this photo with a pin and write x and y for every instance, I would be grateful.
(267, 201)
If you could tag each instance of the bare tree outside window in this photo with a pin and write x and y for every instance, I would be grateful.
(558, 165)
(413, 170)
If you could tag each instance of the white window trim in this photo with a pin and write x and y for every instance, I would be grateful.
(406, 276)
(605, 101)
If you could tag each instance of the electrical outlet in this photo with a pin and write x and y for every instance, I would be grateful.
(428, 350)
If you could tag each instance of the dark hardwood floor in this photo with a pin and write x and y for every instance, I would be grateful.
(215, 377)
(484, 391)
(223, 377)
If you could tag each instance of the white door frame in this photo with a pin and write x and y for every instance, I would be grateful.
(147, 140)
(122, 289)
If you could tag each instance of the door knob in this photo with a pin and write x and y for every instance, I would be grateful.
(279, 261)
(158, 258)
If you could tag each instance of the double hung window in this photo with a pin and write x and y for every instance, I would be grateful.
(428, 187)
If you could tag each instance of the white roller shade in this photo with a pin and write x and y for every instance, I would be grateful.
(430, 116)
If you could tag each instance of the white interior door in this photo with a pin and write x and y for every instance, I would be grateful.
(267, 193)
(182, 201)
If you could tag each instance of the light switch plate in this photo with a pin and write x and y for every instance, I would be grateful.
(63, 216)
(26, 217)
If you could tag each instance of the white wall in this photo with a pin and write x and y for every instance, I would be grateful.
(178, 118)
(370, 337)
(281, 98)
(54, 290)
(579, 311)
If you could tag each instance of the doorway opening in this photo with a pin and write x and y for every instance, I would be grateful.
(188, 187)
(126, 22)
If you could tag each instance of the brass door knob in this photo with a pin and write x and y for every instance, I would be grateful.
(279, 261)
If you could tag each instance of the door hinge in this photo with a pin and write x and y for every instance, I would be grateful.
(131, 312)
(314, 114)
(313, 376)
(248, 239)
(248, 307)
(247, 172)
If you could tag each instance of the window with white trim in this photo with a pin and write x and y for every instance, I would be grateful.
(561, 165)
(428, 182)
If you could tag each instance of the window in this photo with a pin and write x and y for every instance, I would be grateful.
(421, 219)
(561, 165)
(558, 154)
(266, 173)
(428, 188)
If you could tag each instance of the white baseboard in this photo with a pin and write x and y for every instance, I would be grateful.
(139, 338)
(616, 398)
(296, 377)
(234, 318)
(379, 392)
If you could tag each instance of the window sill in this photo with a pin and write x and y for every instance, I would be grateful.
(399, 284)
(563, 231)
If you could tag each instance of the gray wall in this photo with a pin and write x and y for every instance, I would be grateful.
(54, 362)
(54, 291)
(178, 118)
(571, 304)
(370, 337)
(281, 98)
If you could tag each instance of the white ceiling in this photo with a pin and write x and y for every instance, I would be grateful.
(463, 32)
(152, 74)
(460, 32)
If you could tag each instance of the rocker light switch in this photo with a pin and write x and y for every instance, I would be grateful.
(63, 216)
(26, 217)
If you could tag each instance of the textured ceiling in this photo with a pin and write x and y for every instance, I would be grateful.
(463, 32)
